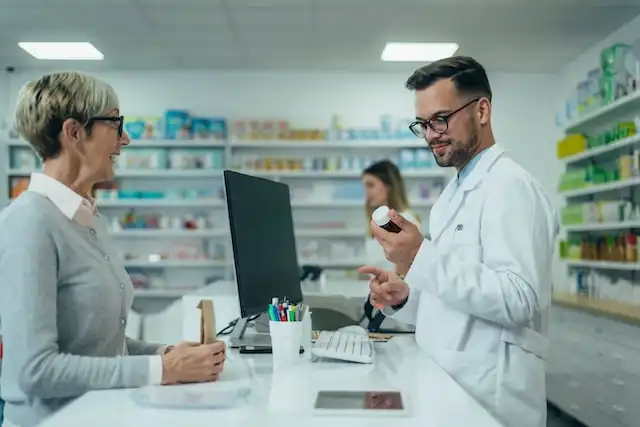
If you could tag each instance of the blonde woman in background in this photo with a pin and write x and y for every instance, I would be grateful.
(384, 186)
(65, 295)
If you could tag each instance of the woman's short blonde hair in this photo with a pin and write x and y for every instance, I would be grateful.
(44, 104)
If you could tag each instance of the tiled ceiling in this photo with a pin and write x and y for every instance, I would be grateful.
(506, 35)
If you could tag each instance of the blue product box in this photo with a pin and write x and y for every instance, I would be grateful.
(177, 124)
(143, 127)
(200, 128)
(407, 159)
(208, 128)
(423, 158)
(218, 129)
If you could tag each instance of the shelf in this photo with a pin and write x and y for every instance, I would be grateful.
(603, 265)
(176, 263)
(350, 203)
(601, 188)
(622, 311)
(331, 232)
(161, 203)
(617, 108)
(149, 143)
(168, 173)
(142, 173)
(354, 263)
(345, 144)
(594, 152)
(169, 143)
(302, 232)
(168, 233)
(601, 226)
(427, 173)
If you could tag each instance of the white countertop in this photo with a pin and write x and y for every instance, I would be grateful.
(433, 398)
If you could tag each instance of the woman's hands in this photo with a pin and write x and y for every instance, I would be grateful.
(193, 363)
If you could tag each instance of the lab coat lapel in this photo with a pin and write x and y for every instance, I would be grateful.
(448, 204)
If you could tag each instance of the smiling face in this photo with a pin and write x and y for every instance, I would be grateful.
(460, 142)
(96, 149)
(103, 145)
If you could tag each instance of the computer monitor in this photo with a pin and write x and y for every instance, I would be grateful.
(264, 246)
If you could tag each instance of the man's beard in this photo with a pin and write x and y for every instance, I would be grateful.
(460, 153)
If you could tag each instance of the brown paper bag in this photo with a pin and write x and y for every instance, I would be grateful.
(207, 322)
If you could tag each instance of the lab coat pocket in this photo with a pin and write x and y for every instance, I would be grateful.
(521, 392)
(475, 372)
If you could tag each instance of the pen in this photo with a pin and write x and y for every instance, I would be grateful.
(273, 314)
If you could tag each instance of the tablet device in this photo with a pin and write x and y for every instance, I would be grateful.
(360, 402)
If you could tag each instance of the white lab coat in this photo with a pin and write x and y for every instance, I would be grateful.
(480, 289)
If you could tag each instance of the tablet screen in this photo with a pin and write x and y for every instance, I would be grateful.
(367, 400)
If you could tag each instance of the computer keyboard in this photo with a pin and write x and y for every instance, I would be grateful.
(347, 346)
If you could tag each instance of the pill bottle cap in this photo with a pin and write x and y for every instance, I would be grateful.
(381, 216)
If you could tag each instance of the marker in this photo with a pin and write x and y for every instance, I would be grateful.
(272, 313)
(292, 314)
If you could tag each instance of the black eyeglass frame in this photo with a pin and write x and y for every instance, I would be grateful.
(443, 118)
(112, 119)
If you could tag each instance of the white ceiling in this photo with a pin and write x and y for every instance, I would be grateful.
(505, 35)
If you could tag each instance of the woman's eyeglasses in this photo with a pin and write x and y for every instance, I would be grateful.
(119, 120)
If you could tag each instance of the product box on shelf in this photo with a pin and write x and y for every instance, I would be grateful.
(24, 158)
(196, 158)
(142, 158)
(208, 128)
(570, 145)
(407, 159)
(613, 247)
(18, 186)
(145, 128)
(177, 124)
(618, 65)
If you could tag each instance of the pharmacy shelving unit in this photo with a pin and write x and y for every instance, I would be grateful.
(624, 109)
(325, 209)
(591, 370)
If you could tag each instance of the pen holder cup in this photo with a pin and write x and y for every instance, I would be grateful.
(286, 338)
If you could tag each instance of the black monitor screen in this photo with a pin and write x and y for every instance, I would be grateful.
(264, 247)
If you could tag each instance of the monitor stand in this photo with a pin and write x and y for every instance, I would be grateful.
(259, 339)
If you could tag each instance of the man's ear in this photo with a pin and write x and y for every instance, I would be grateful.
(484, 111)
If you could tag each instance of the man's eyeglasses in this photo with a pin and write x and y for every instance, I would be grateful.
(439, 124)
(119, 120)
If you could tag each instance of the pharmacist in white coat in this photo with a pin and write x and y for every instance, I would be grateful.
(478, 290)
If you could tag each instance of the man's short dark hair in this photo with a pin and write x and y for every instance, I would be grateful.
(468, 76)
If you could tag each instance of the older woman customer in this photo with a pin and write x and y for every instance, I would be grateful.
(64, 294)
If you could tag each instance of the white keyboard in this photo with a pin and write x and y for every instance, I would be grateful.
(348, 346)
